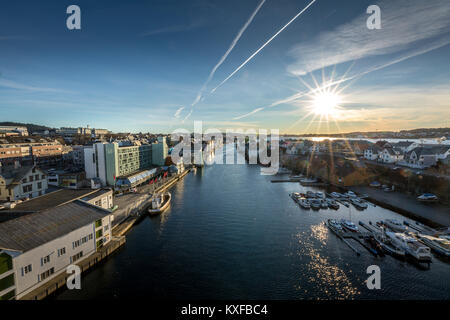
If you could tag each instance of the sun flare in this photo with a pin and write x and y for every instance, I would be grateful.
(326, 103)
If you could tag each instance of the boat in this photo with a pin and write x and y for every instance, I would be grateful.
(375, 184)
(394, 225)
(304, 203)
(428, 197)
(323, 203)
(358, 203)
(336, 195)
(387, 245)
(347, 224)
(439, 245)
(388, 189)
(160, 203)
(335, 226)
(319, 195)
(332, 204)
(295, 196)
(376, 248)
(315, 204)
(411, 246)
(310, 194)
(308, 181)
(351, 194)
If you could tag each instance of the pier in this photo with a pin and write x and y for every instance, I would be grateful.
(132, 205)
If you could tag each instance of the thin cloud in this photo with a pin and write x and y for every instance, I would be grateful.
(18, 86)
(405, 24)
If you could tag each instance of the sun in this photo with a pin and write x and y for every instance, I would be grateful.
(326, 103)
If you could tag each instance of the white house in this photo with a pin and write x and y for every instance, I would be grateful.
(372, 153)
(22, 182)
(37, 247)
(391, 155)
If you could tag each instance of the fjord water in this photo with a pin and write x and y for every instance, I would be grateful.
(232, 234)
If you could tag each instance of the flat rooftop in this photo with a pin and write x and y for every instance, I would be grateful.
(52, 199)
(33, 230)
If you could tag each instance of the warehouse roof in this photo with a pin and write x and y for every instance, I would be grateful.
(31, 231)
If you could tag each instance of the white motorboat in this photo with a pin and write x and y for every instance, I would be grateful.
(411, 246)
(304, 203)
(332, 204)
(439, 245)
(347, 224)
(387, 245)
(427, 197)
(335, 226)
(336, 195)
(394, 225)
(295, 196)
(319, 195)
(315, 204)
(358, 203)
(160, 203)
(323, 203)
(350, 194)
(310, 194)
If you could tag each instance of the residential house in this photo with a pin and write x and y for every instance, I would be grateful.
(391, 155)
(22, 182)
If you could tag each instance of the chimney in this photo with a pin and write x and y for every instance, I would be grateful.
(16, 164)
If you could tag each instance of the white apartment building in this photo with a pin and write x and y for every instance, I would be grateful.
(37, 247)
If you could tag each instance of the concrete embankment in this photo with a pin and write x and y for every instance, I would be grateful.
(60, 280)
(432, 214)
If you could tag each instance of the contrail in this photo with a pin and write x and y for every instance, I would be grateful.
(265, 44)
(222, 59)
(233, 44)
(376, 68)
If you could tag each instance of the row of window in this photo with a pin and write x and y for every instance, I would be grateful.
(32, 178)
(29, 187)
(83, 240)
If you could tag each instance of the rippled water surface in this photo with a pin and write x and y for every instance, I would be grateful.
(231, 234)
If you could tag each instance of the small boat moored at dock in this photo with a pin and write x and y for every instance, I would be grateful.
(347, 224)
(411, 246)
(160, 203)
(427, 197)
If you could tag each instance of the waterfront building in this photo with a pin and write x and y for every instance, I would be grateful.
(37, 247)
(108, 161)
(160, 151)
(19, 182)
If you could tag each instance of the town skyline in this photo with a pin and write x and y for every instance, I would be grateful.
(163, 67)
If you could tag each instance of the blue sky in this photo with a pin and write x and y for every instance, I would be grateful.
(140, 65)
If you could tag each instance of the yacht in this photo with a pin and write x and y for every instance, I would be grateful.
(334, 225)
(394, 225)
(323, 203)
(358, 203)
(347, 224)
(440, 245)
(387, 245)
(375, 184)
(411, 246)
(332, 204)
(160, 203)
